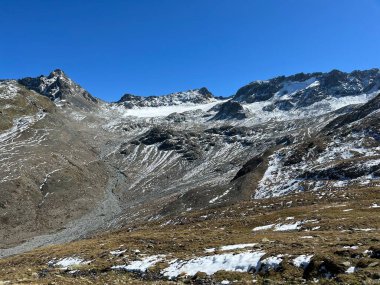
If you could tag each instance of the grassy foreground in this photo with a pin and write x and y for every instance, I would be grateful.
(341, 229)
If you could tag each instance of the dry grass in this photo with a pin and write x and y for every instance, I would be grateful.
(341, 216)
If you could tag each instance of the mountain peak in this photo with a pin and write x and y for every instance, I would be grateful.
(204, 91)
(59, 87)
(57, 73)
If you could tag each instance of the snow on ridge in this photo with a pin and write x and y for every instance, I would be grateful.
(8, 89)
(324, 106)
(291, 87)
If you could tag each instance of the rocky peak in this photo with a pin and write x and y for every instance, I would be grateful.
(60, 88)
(57, 73)
(128, 97)
(205, 92)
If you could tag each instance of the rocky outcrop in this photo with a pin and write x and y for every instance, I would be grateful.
(230, 110)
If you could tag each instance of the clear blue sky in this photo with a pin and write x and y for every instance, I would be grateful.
(151, 47)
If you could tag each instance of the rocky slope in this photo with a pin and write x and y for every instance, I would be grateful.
(73, 165)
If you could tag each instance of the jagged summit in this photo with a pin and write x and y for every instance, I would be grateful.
(194, 96)
(56, 73)
(59, 87)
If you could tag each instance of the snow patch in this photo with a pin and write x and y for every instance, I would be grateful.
(68, 262)
(140, 265)
(218, 197)
(302, 261)
(242, 262)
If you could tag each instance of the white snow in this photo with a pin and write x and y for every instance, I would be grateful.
(364, 230)
(230, 247)
(319, 108)
(280, 227)
(68, 262)
(272, 262)
(350, 270)
(237, 246)
(212, 201)
(263, 228)
(117, 252)
(163, 111)
(8, 89)
(210, 250)
(242, 262)
(302, 261)
(140, 265)
(291, 87)
(354, 247)
(287, 227)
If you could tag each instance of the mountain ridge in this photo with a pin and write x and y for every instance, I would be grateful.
(92, 165)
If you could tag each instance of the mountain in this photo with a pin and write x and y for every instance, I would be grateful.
(176, 173)
(302, 90)
(196, 96)
(57, 86)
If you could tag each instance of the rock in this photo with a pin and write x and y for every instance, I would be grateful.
(322, 266)
(375, 252)
(231, 110)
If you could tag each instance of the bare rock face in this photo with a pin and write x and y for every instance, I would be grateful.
(230, 110)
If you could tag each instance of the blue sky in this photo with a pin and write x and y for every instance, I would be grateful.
(151, 47)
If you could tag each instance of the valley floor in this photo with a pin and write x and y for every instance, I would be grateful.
(305, 238)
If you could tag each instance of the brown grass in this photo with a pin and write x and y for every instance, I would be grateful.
(189, 234)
